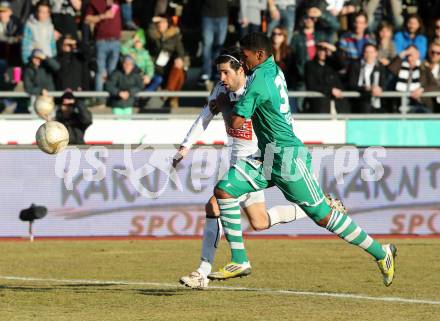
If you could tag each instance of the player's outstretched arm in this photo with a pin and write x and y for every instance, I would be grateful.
(203, 120)
(198, 127)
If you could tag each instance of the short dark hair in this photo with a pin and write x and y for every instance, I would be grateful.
(385, 25)
(361, 14)
(257, 41)
(43, 3)
(231, 55)
(369, 44)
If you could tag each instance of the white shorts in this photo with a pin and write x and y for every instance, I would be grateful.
(251, 198)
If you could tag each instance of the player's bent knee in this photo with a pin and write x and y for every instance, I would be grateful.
(258, 226)
(211, 209)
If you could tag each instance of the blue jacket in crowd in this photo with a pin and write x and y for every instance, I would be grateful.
(402, 40)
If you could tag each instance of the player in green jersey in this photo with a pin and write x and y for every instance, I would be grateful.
(284, 162)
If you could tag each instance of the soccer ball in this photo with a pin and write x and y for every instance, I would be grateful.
(44, 106)
(52, 137)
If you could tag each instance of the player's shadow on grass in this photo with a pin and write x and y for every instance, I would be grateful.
(151, 291)
(17, 288)
(95, 288)
(159, 292)
(24, 288)
(121, 288)
(83, 285)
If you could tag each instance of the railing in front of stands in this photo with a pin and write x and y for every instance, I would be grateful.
(404, 96)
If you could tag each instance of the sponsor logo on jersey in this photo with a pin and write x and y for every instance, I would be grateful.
(245, 132)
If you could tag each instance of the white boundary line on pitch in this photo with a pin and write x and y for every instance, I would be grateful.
(229, 288)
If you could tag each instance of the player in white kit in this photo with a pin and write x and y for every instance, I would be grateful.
(243, 143)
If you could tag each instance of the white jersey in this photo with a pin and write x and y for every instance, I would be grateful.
(242, 141)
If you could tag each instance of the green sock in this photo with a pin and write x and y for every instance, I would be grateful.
(231, 221)
(347, 229)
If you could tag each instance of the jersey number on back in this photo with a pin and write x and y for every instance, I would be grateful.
(281, 85)
(280, 82)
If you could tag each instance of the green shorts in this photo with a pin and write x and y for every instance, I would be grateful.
(291, 172)
(122, 111)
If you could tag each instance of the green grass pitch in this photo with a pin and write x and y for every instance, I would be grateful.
(325, 279)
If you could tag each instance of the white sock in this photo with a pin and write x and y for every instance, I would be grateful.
(205, 268)
(211, 236)
(285, 213)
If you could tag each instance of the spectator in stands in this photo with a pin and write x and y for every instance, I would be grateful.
(72, 64)
(75, 116)
(123, 85)
(340, 7)
(368, 77)
(250, 15)
(85, 28)
(304, 45)
(105, 16)
(412, 35)
(343, 10)
(282, 52)
(11, 32)
(21, 9)
(324, 20)
(415, 78)
(38, 74)
(282, 13)
(214, 29)
(160, 8)
(64, 15)
(351, 44)
(380, 10)
(135, 48)
(436, 37)
(165, 43)
(39, 33)
(386, 49)
(433, 62)
(321, 76)
(127, 15)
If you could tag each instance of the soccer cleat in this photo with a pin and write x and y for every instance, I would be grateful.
(231, 270)
(335, 204)
(387, 264)
(195, 280)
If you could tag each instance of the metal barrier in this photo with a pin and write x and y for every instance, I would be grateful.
(308, 94)
(404, 96)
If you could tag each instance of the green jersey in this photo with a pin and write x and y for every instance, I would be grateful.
(267, 103)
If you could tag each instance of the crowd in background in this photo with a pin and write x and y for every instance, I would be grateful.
(329, 46)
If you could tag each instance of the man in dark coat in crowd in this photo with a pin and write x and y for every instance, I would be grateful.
(75, 116)
(368, 77)
(73, 66)
(322, 77)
